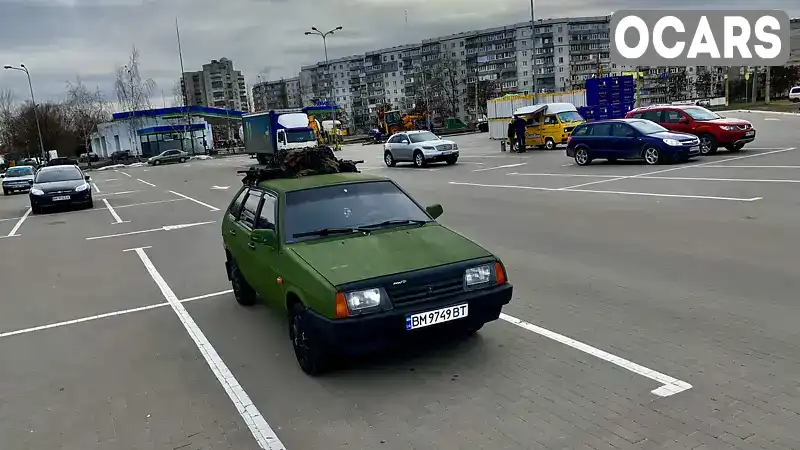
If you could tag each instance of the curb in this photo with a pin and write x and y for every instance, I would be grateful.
(780, 113)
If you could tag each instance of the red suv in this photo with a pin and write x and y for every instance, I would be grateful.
(713, 130)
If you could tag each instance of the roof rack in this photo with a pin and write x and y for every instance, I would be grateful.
(298, 163)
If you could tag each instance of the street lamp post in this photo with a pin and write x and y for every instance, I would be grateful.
(324, 37)
(33, 100)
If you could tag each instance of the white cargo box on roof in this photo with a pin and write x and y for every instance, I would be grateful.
(293, 120)
(550, 108)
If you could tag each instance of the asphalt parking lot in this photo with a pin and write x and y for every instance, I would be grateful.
(653, 308)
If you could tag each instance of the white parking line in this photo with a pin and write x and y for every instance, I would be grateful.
(13, 232)
(679, 168)
(212, 208)
(752, 167)
(576, 175)
(124, 173)
(111, 314)
(164, 228)
(500, 167)
(670, 386)
(643, 194)
(145, 182)
(261, 430)
(152, 203)
(118, 193)
(96, 189)
(114, 214)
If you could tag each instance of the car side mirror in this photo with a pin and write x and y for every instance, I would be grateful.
(265, 236)
(404, 141)
(435, 211)
(87, 177)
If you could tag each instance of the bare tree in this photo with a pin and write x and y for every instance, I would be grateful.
(703, 84)
(86, 110)
(486, 90)
(133, 92)
(446, 85)
(177, 95)
(6, 114)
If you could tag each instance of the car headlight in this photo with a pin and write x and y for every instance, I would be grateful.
(455, 146)
(727, 128)
(477, 277)
(82, 187)
(365, 301)
(673, 142)
(429, 148)
(35, 191)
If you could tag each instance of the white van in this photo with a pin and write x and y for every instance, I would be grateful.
(794, 94)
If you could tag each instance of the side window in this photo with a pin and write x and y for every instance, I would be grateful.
(601, 129)
(622, 130)
(266, 218)
(550, 120)
(654, 116)
(403, 137)
(580, 131)
(250, 209)
(395, 139)
(672, 116)
(636, 116)
(236, 206)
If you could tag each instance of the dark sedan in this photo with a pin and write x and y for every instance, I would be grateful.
(60, 185)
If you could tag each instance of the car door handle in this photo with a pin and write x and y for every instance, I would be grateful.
(233, 232)
(251, 245)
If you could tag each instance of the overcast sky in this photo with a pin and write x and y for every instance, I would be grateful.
(61, 39)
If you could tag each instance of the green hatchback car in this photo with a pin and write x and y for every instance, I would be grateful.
(356, 264)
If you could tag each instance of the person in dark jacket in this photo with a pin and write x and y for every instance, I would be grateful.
(520, 125)
(512, 135)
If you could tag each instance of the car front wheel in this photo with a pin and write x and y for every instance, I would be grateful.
(419, 159)
(309, 351)
(582, 157)
(389, 159)
(244, 294)
(708, 145)
(652, 156)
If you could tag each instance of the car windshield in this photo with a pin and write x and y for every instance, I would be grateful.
(19, 172)
(300, 136)
(347, 206)
(646, 126)
(698, 113)
(423, 137)
(569, 116)
(60, 174)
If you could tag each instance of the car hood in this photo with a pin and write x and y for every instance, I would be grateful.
(387, 252)
(59, 185)
(673, 135)
(435, 143)
(727, 121)
(18, 179)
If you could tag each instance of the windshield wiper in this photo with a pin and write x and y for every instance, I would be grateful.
(330, 231)
(397, 222)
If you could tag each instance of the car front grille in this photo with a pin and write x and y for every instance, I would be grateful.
(742, 127)
(68, 191)
(426, 285)
(444, 147)
(690, 142)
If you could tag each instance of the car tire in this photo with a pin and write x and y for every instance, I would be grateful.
(36, 210)
(419, 159)
(708, 145)
(245, 295)
(582, 157)
(308, 350)
(734, 147)
(183, 160)
(90, 205)
(470, 330)
(652, 156)
(388, 159)
(5, 191)
(549, 144)
(156, 162)
(452, 160)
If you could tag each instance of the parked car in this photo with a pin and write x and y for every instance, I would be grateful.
(355, 263)
(121, 155)
(91, 157)
(62, 161)
(168, 156)
(630, 139)
(18, 178)
(420, 148)
(61, 185)
(794, 94)
(713, 130)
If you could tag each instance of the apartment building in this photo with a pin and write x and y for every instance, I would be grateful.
(218, 85)
(281, 94)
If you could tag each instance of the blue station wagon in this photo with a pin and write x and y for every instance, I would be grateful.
(630, 139)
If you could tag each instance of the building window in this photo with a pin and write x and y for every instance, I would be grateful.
(525, 83)
(462, 52)
(524, 63)
(560, 29)
(560, 39)
(560, 59)
(525, 73)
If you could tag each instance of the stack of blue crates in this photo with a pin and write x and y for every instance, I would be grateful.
(608, 97)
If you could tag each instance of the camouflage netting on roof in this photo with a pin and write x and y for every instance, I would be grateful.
(300, 163)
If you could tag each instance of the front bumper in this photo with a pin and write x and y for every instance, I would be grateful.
(365, 334)
(16, 186)
(736, 137)
(75, 198)
(440, 156)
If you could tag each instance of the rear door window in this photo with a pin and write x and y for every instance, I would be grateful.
(622, 130)
(672, 116)
(580, 131)
(601, 129)
(250, 210)
(236, 205)
(654, 116)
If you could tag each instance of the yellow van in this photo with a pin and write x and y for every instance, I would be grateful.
(548, 124)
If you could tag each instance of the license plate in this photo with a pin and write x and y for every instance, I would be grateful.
(426, 319)
(750, 133)
(60, 197)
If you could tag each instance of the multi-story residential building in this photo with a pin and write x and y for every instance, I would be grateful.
(281, 94)
(217, 85)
